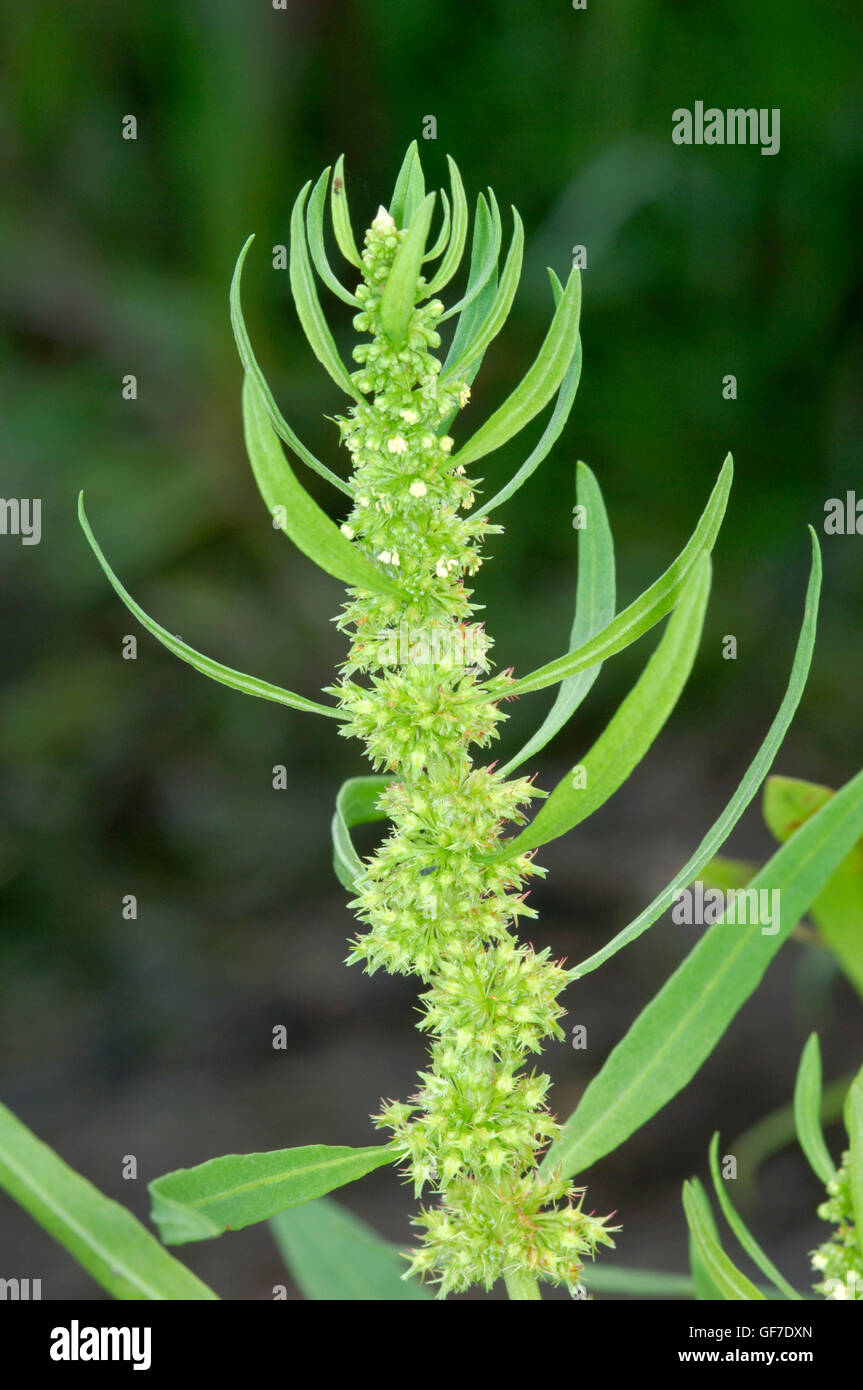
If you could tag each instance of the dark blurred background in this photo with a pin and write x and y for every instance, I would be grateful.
(152, 1037)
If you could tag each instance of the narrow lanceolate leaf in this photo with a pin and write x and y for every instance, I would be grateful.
(315, 226)
(401, 290)
(680, 1027)
(838, 911)
(410, 188)
(294, 511)
(751, 781)
(356, 804)
(733, 1285)
(443, 235)
(489, 327)
(453, 253)
(550, 435)
(807, 1112)
(632, 728)
(250, 363)
(485, 249)
(334, 1257)
(226, 1194)
(854, 1121)
(647, 610)
(225, 675)
(594, 609)
(539, 383)
(102, 1236)
(308, 305)
(705, 1288)
(344, 232)
(741, 1230)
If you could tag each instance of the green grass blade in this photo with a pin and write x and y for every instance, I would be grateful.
(741, 1230)
(341, 217)
(748, 786)
(705, 1289)
(402, 288)
(237, 1190)
(594, 609)
(308, 305)
(295, 512)
(409, 189)
(443, 234)
(680, 1027)
(647, 610)
(100, 1234)
(250, 363)
(489, 327)
(453, 254)
(225, 675)
(733, 1286)
(539, 383)
(334, 1257)
(807, 1112)
(315, 228)
(854, 1121)
(356, 804)
(632, 729)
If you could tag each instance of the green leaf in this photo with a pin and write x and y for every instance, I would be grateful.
(647, 610)
(105, 1239)
(631, 729)
(854, 1120)
(640, 1283)
(489, 327)
(452, 256)
(728, 874)
(705, 1289)
(308, 305)
(751, 781)
(295, 512)
(225, 675)
(539, 383)
(838, 911)
(226, 1194)
(443, 235)
(341, 216)
(807, 1112)
(733, 1285)
(402, 287)
(334, 1257)
(356, 804)
(680, 1027)
(410, 188)
(741, 1230)
(594, 609)
(315, 226)
(250, 363)
(777, 1130)
(485, 249)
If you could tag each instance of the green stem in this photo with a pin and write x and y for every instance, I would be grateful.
(523, 1287)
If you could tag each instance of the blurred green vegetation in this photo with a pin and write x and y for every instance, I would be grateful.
(115, 257)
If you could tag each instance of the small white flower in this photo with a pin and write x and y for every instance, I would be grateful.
(446, 443)
(362, 501)
(394, 558)
(460, 469)
(410, 417)
(397, 445)
(383, 222)
(384, 557)
(464, 396)
(441, 569)
(348, 531)
(417, 489)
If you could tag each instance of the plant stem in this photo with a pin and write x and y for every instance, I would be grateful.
(522, 1286)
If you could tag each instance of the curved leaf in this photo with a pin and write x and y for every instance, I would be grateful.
(854, 1122)
(401, 290)
(485, 249)
(648, 609)
(733, 1285)
(356, 804)
(498, 312)
(539, 383)
(631, 729)
(250, 363)
(294, 511)
(748, 786)
(680, 1027)
(340, 214)
(308, 305)
(452, 256)
(807, 1112)
(443, 234)
(237, 1190)
(315, 227)
(741, 1230)
(105, 1239)
(225, 675)
(335, 1257)
(409, 189)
